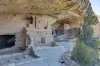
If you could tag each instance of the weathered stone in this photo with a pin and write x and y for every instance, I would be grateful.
(33, 21)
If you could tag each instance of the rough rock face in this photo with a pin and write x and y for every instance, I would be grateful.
(44, 6)
(72, 10)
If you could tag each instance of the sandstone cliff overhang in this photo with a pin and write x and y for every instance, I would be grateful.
(44, 6)
(74, 10)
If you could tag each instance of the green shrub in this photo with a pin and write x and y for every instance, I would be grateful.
(97, 44)
(84, 54)
(86, 33)
(86, 49)
(93, 43)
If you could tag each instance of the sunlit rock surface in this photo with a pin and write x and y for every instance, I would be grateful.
(73, 10)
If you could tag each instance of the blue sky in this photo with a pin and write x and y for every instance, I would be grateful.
(96, 6)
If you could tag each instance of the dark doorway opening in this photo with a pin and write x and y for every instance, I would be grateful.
(7, 41)
(61, 29)
(42, 40)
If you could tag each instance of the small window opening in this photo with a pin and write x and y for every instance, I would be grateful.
(45, 27)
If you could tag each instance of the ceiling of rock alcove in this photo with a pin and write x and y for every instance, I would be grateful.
(72, 9)
(35, 6)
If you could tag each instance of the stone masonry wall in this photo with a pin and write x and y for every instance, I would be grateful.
(13, 25)
(40, 31)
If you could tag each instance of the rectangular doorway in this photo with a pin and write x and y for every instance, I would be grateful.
(7, 41)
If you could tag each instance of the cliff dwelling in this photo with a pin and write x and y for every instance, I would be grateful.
(36, 30)
(32, 26)
(17, 31)
(22, 29)
(64, 29)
